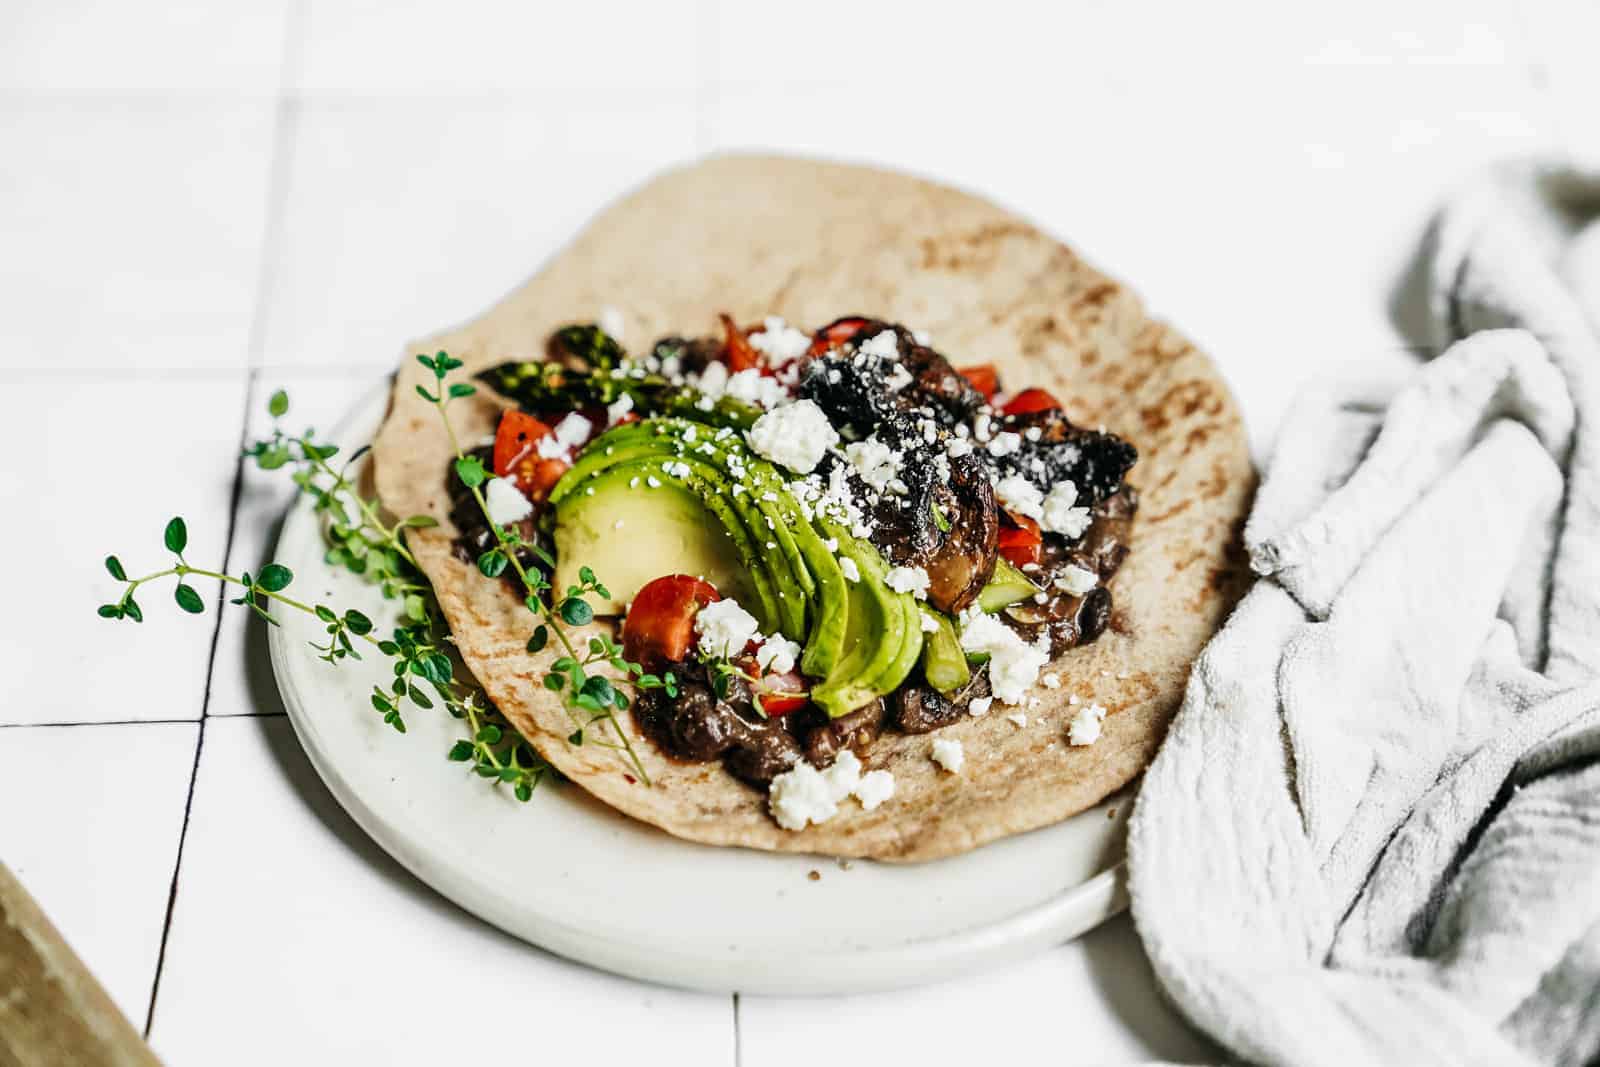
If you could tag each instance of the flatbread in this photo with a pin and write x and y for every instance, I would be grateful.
(811, 241)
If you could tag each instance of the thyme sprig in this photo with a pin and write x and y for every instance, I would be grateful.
(360, 540)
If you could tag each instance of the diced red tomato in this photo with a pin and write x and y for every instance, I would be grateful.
(737, 351)
(1020, 542)
(660, 623)
(835, 334)
(1030, 400)
(984, 378)
(783, 693)
(516, 440)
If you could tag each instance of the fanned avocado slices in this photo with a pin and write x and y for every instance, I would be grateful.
(861, 638)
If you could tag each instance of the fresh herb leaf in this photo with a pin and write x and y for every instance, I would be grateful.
(275, 577)
(176, 536)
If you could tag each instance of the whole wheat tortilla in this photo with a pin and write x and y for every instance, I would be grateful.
(811, 241)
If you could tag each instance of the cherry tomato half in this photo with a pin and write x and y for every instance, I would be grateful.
(984, 378)
(737, 351)
(660, 623)
(1030, 400)
(1020, 543)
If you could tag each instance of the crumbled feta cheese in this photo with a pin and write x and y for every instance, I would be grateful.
(1076, 580)
(948, 754)
(1005, 442)
(831, 544)
(725, 628)
(1050, 680)
(801, 795)
(1033, 433)
(1059, 513)
(549, 447)
(874, 788)
(676, 468)
(922, 337)
(912, 580)
(652, 482)
(930, 625)
(979, 706)
(777, 654)
(796, 436)
(618, 409)
(958, 447)
(1084, 729)
(713, 381)
(883, 345)
(505, 501)
(897, 378)
(852, 573)
(804, 794)
(573, 430)
(1020, 496)
(1017, 719)
(611, 322)
(780, 342)
(877, 464)
(981, 427)
(1013, 663)
(753, 387)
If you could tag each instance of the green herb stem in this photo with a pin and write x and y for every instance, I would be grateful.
(509, 546)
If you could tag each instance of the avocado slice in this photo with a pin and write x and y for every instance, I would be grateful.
(944, 664)
(658, 439)
(802, 569)
(883, 633)
(602, 528)
(1007, 585)
(701, 481)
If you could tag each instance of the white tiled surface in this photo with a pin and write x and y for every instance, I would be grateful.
(108, 475)
(130, 229)
(197, 200)
(89, 823)
(315, 928)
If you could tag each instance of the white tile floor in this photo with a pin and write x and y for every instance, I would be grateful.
(197, 201)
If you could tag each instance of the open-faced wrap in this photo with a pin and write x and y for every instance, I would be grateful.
(810, 241)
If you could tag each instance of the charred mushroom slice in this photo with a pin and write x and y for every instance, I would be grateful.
(1095, 462)
(919, 708)
(949, 528)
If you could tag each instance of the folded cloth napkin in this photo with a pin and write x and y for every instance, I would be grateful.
(1373, 832)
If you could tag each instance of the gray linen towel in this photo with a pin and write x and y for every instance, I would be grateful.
(1373, 833)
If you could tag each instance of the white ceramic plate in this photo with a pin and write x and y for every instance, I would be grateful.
(569, 874)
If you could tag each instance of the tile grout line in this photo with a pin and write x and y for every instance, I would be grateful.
(234, 496)
(277, 196)
(130, 722)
